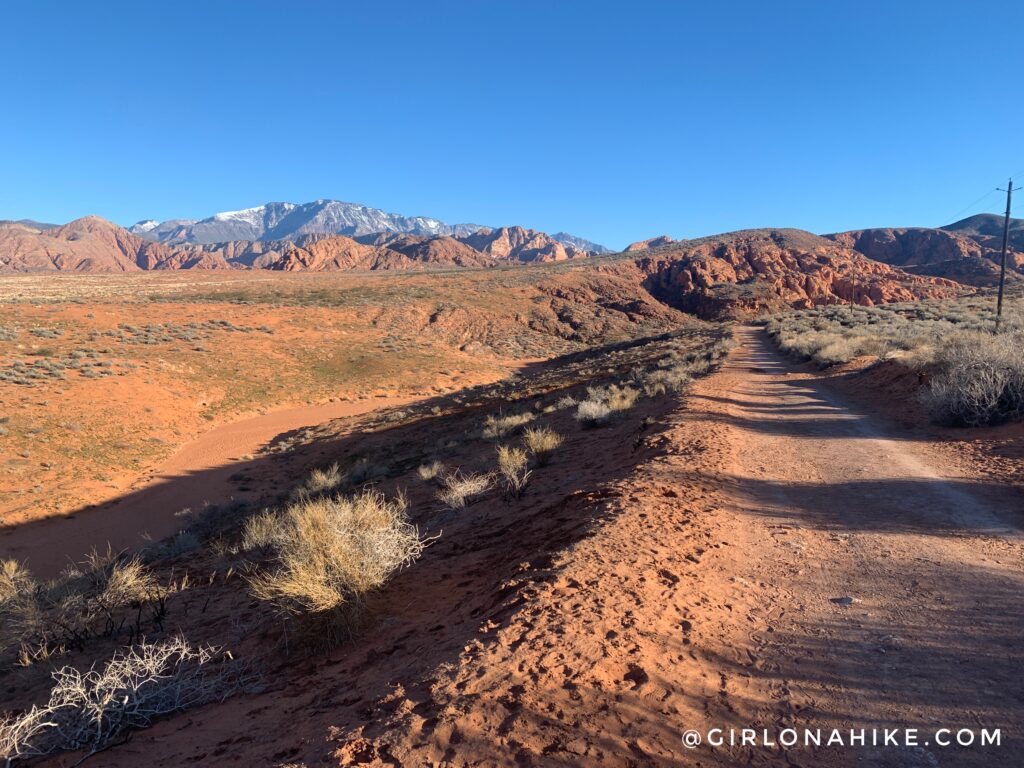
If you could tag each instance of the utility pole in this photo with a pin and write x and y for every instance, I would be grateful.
(1002, 261)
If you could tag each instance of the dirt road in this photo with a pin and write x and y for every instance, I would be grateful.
(771, 558)
(826, 504)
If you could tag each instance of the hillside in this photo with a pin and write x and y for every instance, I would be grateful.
(986, 229)
(89, 244)
(763, 270)
(967, 251)
(988, 225)
(924, 251)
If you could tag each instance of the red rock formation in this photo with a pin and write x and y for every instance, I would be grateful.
(763, 270)
(925, 251)
(654, 242)
(519, 244)
(89, 244)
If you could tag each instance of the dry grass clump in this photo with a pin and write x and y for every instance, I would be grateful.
(363, 471)
(980, 380)
(320, 481)
(94, 709)
(665, 380)
(620, 398)
(566, 401)
(15, 582)
(501, 426)
(542, 442)
(512, 466)
(333, 551)
(593, 413)
(261, 531)
(431, 471)
(457, 489)
(602, 403)
(106, 596)
(328, 480)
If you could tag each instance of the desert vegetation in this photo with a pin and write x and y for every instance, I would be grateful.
(106, 596)
(512, 464)
(331, 552)
(92, 710)
(542, 442)
(458, 489)
(313, 558)
(974, 376)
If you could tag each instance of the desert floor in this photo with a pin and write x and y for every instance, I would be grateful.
(774, 557)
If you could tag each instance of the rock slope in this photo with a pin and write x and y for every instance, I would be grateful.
(764, 270)
(924, 251)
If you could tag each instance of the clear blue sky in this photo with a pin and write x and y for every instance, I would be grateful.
(615, 121)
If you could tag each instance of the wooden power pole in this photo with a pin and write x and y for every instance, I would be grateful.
(1002, 260)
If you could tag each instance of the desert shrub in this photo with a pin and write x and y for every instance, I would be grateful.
(541, 442)
(261, 531)
(566, 401)
(333, 551)
(15, 582)
(673, 379)
(363, 471)
(603, 402)
(619, 398)
(46, 333)
(210, 522)
(836, 334)
(319, 481)
(330, 479)
(501, 426)
(430, 471)
(457, 489)
(106, 596)
(980, 380)
(512, 466)
(593, 413)
(93, 709)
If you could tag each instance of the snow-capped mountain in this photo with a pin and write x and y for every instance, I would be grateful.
(584, 245)
(288, 221)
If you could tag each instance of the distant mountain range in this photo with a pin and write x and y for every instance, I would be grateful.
(290, 221)
(728, 275)
(92, 244)
(731, 274)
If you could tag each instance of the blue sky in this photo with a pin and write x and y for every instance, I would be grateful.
(614, 121)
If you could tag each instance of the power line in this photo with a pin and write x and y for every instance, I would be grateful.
(956, 216)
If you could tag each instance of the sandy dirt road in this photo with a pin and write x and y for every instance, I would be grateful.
(825, 503)
(772, 558)
(197, 474)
